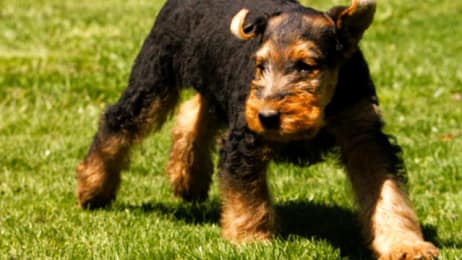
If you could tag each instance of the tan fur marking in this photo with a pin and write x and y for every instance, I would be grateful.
(359, 7)
(98, 175)
(154, 116)
(300, 111)
(353, 22)
(252, 107)
(389, 222)
(237, 25)
(299, 50)
(395, 227)
(306, 51)
(267, 53)
(189, 165)
(247, 214)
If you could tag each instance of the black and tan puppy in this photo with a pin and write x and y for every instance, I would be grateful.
(286, 82)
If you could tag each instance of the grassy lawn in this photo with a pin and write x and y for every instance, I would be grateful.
(63, 62)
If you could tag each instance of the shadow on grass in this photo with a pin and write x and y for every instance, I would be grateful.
(191, 213)
(336, 225)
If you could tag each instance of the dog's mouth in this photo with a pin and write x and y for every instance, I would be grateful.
(291, 121)
(285, 128)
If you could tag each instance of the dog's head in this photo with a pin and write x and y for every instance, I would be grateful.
(297, 65)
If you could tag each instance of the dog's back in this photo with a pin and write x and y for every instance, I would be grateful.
(206, 55)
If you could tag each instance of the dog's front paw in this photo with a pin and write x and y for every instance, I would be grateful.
(240, 236)
(239, 226)
(410, 251)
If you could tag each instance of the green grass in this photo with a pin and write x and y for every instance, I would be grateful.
(63, 62)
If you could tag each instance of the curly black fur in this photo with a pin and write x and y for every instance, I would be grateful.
(190, 45)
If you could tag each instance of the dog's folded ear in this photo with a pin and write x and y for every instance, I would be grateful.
(247, 31)
(352, 22)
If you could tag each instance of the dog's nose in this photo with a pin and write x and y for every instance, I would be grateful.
(269, 119)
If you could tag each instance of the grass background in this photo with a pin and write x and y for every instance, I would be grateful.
(63, 62)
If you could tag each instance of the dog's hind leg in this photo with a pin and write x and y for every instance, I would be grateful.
(145, 104)
(190, 165)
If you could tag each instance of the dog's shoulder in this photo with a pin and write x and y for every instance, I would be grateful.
(354, 84)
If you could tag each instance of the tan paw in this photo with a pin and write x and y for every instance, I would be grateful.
(239, 237)
(410, 251)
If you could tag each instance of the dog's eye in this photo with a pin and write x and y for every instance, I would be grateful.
(261, 66)
(302, 66)
(310, 90)
(282, 95)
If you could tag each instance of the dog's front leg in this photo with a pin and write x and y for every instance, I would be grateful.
(377, 176)
(247, 213)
